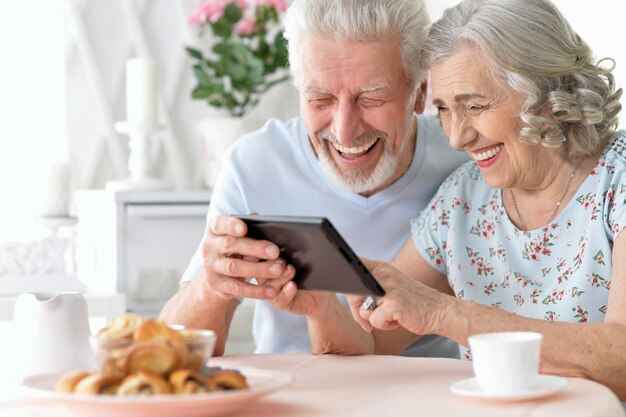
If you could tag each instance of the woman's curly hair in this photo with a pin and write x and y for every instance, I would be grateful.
(532, 48)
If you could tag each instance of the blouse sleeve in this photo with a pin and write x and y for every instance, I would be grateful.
(429, 231)
(616, 203)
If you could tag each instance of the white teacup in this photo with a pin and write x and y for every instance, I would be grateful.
(506, 362)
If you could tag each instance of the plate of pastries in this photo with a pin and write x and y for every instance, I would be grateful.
(149, 368)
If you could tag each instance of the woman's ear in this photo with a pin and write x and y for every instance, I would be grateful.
(420, 99)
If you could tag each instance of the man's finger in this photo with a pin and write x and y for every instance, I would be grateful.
(227, 225)
(240, 288)
(233, 267)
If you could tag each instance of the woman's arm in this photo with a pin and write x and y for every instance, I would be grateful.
(593, 351)
(333, 329)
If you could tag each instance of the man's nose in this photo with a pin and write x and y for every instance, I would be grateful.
(460, 132)
(346, 122)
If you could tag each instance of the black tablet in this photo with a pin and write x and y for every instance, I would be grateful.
(322, 258)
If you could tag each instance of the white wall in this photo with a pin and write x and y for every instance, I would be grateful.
(163, 22)
(32, 111)
(599, 23)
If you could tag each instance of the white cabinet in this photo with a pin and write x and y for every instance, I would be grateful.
(137, 242)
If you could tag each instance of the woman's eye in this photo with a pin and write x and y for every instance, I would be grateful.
(475, 109)
(441, 109)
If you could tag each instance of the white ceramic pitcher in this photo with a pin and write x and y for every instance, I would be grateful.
(53, 333)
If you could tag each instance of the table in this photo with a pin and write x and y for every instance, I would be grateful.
(376, 386)
(380, 386)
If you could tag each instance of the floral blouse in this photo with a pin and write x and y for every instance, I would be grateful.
(559, 272)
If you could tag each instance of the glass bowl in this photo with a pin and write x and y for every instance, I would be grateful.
(121, 355)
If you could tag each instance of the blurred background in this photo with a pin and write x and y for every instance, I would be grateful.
(62, 90)
(63, 86)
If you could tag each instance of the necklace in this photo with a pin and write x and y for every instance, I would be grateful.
(558, 203)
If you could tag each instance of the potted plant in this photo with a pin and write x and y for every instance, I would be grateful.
(248, 56)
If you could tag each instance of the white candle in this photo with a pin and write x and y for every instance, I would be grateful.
(141, 91)
(57, 193)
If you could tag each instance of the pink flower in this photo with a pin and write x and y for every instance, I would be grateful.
(280, 5)
(212, 10)
(245, 26)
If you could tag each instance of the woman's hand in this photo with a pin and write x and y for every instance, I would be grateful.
(407, 303)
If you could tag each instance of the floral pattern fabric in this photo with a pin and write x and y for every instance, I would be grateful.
(560, 272)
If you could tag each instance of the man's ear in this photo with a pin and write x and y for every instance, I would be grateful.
(420, 99)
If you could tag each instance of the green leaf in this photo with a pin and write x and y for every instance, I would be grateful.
(236, 72)
(215, 103)
(240, 53)
(233, 13)
(194, 52)
(281, 59)
(221, 49)
(200, 92)
(263, 51)
(203, 77)
(222, 28)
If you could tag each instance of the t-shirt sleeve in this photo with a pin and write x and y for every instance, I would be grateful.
(226, 198)
(429, 231)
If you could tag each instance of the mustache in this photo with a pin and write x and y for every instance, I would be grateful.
(365, 137)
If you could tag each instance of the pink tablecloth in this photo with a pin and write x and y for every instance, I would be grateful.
(377, 386)
(363, 386)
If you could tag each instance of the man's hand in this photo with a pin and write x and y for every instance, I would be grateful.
(305, 303)
(229, 258)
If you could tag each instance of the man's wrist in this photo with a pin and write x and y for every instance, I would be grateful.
(203, 294)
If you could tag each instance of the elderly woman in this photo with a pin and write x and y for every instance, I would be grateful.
(527, 236)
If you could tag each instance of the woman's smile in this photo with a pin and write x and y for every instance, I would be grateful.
(488, 156)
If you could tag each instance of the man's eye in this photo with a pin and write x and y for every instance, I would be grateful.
(441, 109)
(371, 102)
(319, 102)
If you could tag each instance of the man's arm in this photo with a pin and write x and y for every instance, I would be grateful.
(196, 309)
(228, 258)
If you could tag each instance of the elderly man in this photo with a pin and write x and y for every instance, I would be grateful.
(358, 155)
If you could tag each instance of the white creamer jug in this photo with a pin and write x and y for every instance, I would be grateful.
(53, 333)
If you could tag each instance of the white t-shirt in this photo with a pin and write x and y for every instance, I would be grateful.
(274, 171)
(559, 272)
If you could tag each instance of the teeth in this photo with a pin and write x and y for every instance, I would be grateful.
(481, 156)
(358, 149)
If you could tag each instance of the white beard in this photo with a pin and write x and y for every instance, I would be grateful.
(357, 180)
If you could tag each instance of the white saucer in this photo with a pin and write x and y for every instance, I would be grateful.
(545, 385)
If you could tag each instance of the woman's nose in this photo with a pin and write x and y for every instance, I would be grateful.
(460, 132)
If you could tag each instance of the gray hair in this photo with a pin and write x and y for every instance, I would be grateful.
(532, 48)
(360, 20)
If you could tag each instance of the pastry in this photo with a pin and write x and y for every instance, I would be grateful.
(98, 383)
(121, 327)
(157, 331)
(151, 357)
(144, 383)
(226, 380)
(68, 382)
(189, 381)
